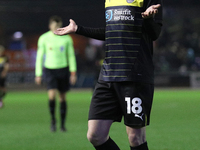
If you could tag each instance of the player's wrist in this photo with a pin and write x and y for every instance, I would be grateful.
(73, 73)
(75, 28)
(38, 76)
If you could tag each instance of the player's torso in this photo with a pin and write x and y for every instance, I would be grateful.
(3, 60)
(56, 49)
(123, 38)
(55, 45)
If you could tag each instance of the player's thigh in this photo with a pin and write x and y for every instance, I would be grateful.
(99, 128)
(62, 96)
(51, 94)
(50, 79)
(136, 102)
(104, 104)
(2, 82)
(63, 80)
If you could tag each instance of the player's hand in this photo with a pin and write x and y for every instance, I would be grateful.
(38, 80)
(3, 74)
(71, 28)
(73, 79)
(151, 11)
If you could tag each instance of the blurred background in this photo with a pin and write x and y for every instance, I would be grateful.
(176, 53)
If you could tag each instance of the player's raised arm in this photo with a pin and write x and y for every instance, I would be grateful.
(95, 33)
(153, 21)
(39, 61)
(71, 28)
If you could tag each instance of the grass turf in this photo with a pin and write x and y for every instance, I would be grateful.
(24, 122)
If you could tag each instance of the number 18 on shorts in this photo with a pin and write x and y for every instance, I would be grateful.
(134, 106)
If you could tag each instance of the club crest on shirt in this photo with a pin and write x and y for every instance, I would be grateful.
(109, 15)
(61, 48)
(130, 1)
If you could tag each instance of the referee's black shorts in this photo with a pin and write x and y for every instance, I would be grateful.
(57, 79)
(132, 100)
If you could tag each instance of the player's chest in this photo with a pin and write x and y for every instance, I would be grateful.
(124, 11)
(2, 60)
(55, 45)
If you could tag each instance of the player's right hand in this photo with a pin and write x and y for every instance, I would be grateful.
(151, 11)
(3, 74)
(71, 28)
(38, 80)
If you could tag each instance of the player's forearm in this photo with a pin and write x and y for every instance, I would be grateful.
(72, 67)
(96, 33)
(72, 63)
(152, 28)
(71, 58)
(38, 71)
(4, 72)
(6, 68)
(38, 66)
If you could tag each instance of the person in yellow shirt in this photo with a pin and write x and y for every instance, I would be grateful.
(4, 67)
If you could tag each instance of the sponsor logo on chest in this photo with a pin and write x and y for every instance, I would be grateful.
(120, 15)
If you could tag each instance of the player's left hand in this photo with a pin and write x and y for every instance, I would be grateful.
(3, 74)
(151, 11)
(71, 28)
(73, 79)
(38, 80)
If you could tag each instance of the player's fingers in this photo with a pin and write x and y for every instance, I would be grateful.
(154, 12)
(71, 21)
(57, 32)
(156, 6)
(60, 29)
(144, 15)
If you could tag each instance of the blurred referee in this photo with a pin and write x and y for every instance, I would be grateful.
(59, 67)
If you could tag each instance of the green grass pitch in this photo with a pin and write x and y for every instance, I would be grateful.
(24, 122)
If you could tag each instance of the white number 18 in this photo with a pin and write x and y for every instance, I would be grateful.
(136, 107)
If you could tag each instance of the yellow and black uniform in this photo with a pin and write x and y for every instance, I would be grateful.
(125, 85)
(3, 60)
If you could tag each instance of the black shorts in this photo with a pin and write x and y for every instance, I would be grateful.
(57, 79)
(2, 82)
(132, 100)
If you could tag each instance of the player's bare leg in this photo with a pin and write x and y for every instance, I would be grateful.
(52, 106)
(63, 110)
(1, 103)
(98, 135)
(137, 138)
(2, 95)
